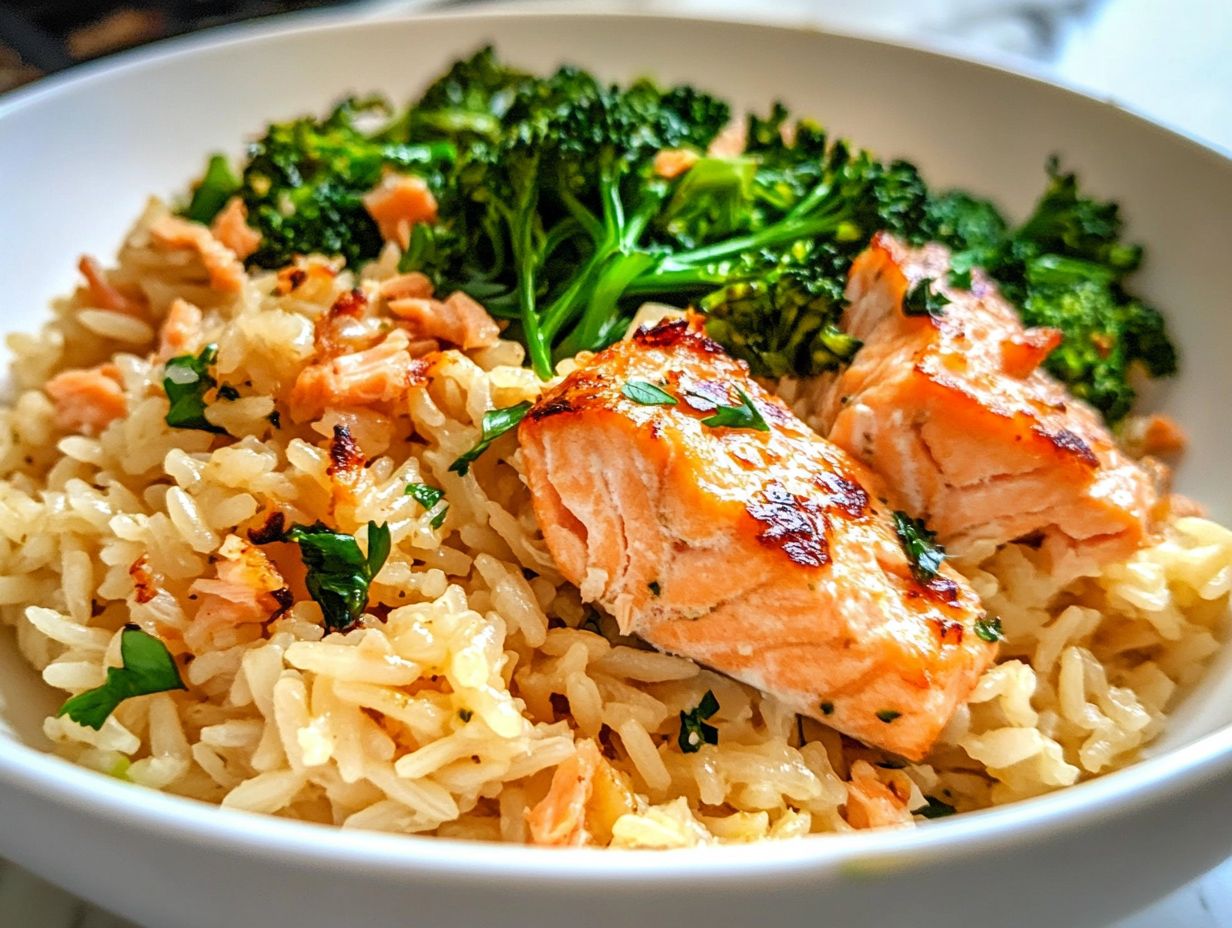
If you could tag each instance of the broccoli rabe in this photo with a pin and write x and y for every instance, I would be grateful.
(1065, 267)
(765, 243)
(559, 204)
(304, 181)
(553, 213)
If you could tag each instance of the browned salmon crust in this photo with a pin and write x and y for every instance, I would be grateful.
(767, 555)
(955, 414)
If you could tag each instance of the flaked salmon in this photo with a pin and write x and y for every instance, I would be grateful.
(951, 408)
(713, 523)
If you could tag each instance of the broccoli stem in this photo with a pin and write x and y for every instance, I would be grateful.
(599, 319)
(527, 258)
(609, 269)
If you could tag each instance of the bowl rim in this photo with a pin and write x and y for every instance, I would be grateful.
(1122, 793)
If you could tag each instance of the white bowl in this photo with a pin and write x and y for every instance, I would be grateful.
(79, 154)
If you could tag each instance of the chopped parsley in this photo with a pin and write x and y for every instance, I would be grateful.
(186, 380)
(496, 422)
(827, 708)
(228, 392)
(338, 572)
(923, 300)
(988, 628)
(428, 497)
(888, 715)
(934, 808)
(694, 732)
(920, 545)
(655, 589)
(148, 667)
(960, 280)
(744, 416)
(647, 394)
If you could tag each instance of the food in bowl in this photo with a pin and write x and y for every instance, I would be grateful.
(549, 462)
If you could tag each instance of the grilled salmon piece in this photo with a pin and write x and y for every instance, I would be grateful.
(768, 554)
(952, 410)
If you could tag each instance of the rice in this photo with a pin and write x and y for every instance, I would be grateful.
(476, 670)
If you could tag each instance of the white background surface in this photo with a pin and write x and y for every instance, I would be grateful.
(1168, 59)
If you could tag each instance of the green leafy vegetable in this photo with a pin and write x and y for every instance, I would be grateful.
(888, 715)
(217, 186)
(988, 628)
(496, 422)
(304, 181)
(428, 497)
(923, 552)
(934, 808)
(781, 314)
(694, 732)
(551, 214)
(766, 254)
(339, 574)
(147, 667)
(187, 379)
(923, 300)
(744, 416)
(640, 391)
(960, 279)
(1065, 267)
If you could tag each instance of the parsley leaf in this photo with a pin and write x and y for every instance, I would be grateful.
(922, 300)
(934, 808)
(744, 416)
(641, 391)
(496, 422)
(921, 546)
(148, 667)
(428, 497)
(888, 715)
(960, 280)
(694, 732)
(338, 573)
(988, 628)
(186, 379)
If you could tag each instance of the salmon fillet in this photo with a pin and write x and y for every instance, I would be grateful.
(767, 555)
(953, 411)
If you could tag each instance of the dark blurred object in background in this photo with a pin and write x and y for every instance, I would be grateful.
(40, 36)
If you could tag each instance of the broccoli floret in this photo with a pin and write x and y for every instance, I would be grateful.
(552, 214)
(556, 209)
(964, 223)
(1091, 362)
(780, 313)
(1067, 223)
(467, 102)
(1064, 267)
(766, 240)
(304, 181)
